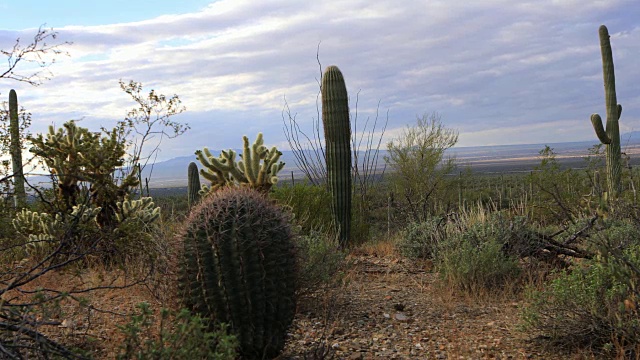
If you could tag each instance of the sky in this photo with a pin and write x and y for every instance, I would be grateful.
(499, 71)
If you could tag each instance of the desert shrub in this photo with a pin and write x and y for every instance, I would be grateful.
(472, 267)
(172, 206)
(180, 336)
(310, 204)
(473, 256)
(421, 240)
(589, 306)
(420, 165)
(319, 260)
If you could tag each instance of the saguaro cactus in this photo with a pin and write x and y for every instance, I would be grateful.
(611, 136)
(16, 151)
(193, 184)
(337, 135)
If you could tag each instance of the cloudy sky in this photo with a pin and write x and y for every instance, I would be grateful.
(499, 71)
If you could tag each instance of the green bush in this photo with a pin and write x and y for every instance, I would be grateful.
(421, 240)
(310, 204)
(319, 260)
(472, 267)
(180, 336)
(590, 306)
(474, 255)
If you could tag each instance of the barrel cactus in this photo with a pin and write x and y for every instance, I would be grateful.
(611, 136)
(238, 268)
(337, 135)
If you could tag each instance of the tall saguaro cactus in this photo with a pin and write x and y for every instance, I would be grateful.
(16, 150)
(337, 135)
(611, 136)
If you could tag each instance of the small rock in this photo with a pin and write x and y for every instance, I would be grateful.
(401, 317)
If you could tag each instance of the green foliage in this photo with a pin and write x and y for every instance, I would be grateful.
(319, 260)
(310, 205)
(611, 136)
(337, 135)
(419, 165)
(258, 168)
(421, 240)
(478, 252)
(559, 195)
(471, 268)
(317, 247)
(180, 336)
(238, 267)
(588, 306)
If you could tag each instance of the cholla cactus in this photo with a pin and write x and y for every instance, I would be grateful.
(44, 230)
(258, 167)
(143, 209)
(76, 155)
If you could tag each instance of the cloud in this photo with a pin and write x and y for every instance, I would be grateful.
(499, 71)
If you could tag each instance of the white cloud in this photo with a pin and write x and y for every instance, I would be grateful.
(499, 71)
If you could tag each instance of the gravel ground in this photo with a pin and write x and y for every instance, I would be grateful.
(391, 308)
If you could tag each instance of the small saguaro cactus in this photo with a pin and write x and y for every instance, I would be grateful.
(193, 184)
(337, 135)
(16, 151)
(611, 136)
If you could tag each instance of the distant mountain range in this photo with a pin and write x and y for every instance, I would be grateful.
(499, 158)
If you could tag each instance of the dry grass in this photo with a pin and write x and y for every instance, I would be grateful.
(383, 247)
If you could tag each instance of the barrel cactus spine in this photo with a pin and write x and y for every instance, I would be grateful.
(337, 134)
(611, 136)
(193, 184)
(238, 267)
(16, 151)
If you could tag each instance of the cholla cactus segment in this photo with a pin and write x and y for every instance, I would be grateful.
(258, 167)
(143, 209)
(30, 222)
